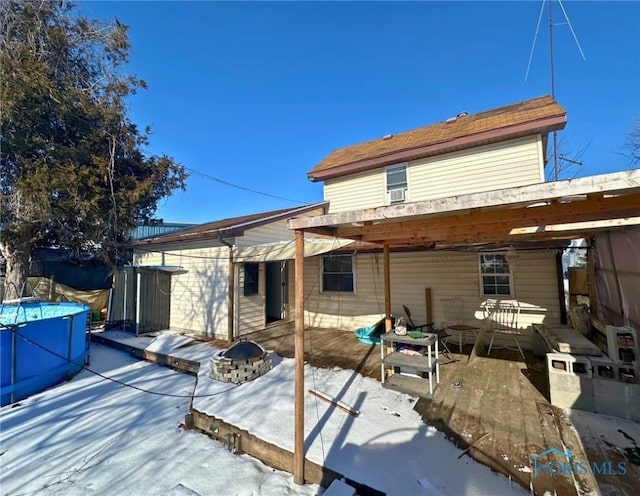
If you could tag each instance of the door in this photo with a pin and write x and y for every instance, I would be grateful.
(275, 291)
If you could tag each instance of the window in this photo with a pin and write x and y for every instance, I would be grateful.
(396, 184)
(251, 271)
(337, 273)
(495, 275)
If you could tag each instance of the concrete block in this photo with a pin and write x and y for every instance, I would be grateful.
(564, 363)
(603, 368)
(622, 344)
(617, 398)
(570, 381)
(629, 373)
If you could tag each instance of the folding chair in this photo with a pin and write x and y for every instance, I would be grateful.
(504, 320)
(454, 313)
(442, 334)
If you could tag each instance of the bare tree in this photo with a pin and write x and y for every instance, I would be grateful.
(632, 144)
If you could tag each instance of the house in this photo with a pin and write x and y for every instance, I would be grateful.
(221, 279)
(468, 154)
(459, 208)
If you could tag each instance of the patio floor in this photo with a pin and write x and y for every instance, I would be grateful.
(500, 414)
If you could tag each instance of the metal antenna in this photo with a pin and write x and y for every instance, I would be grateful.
(552, 65)
(553, 89)
(535, 38)
(573, 33)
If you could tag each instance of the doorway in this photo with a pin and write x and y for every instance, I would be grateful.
(275, 291)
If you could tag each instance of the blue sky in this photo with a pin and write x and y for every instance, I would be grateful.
(257, 93)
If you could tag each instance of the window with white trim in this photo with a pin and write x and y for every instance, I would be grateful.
(397, 184)
(337, 273)
(495, 275)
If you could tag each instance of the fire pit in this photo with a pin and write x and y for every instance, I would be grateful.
(241, 362)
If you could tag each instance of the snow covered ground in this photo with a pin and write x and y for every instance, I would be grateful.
(386, 447)
(91, 436)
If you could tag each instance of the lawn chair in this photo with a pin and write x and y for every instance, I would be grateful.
(442, 334)
(504, 320)
(454, 313)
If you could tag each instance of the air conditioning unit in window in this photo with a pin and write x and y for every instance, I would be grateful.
(397, 195)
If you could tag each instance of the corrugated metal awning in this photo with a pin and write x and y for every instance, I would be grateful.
(286, 250)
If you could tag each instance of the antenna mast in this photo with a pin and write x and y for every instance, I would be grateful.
(552, 65)
(553, 90)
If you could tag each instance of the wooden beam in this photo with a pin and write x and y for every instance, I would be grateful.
(323, 231)
(594, 309)
(387, 300)
(173, 362)
(298, 442)
(499, 230)
(615, 183)
(428, 305)
(242, 441)
(387, 288)
(560, 284)
(577, 211)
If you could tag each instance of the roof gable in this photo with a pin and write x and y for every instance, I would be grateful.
(538, 115)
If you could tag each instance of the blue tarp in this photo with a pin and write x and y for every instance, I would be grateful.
(370, 334)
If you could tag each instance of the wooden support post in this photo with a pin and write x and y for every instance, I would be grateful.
(591, 267)
(428, 305)
(231, 297)
(388, 325)
(298, 444)
(138, 300)
(387, 289)
(560, 280)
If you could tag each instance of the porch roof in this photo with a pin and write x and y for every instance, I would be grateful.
(549, 211)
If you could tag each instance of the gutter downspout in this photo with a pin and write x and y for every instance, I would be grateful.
(232, 290)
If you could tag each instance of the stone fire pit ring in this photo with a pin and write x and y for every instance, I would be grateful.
(243, 361)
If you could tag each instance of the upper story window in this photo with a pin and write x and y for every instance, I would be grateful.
(251, 273)
(397, 184)
(337, 273)
(495, 275)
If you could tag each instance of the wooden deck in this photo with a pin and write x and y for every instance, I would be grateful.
(499, 413)
(324, 348)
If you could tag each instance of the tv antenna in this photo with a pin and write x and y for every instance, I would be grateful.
(551, 63)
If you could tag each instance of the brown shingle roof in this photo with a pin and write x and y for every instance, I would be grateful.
(538, 115)
(234, 226)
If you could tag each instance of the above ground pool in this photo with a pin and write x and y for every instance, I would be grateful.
(41, 344)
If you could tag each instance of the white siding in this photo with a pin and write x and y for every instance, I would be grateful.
(345, 310)
(272, 232)
(448, 274)
(507, 164)
(500, 165)
(357, 191)
(198, 298)
(250, 315)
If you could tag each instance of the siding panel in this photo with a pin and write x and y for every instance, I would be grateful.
(500, 165)
(448, 274)
(355, 192)
(199, 297)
